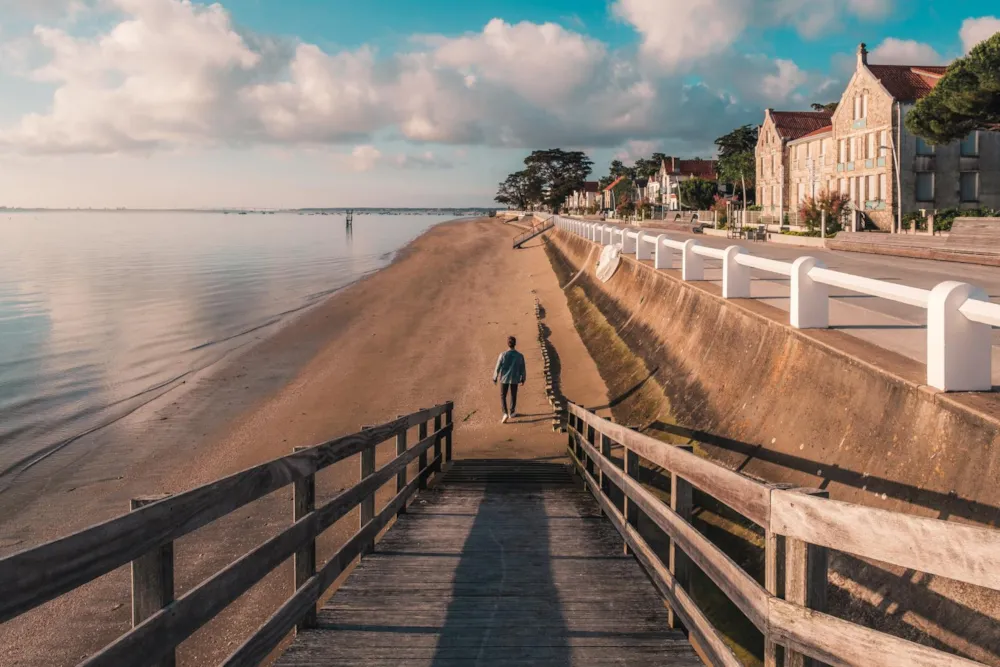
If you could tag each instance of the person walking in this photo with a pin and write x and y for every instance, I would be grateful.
(510, 373)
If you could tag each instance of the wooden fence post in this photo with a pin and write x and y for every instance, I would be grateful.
(681, 502)
(437, 444)
(422, 463)
(153, 580)
(368, 504)
(449, 421)
(401, 475)
(774, 582)
(806, 567)
(629, 509)
(605, 453)
(304, 561)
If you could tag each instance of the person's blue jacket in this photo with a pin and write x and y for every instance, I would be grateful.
(510, 368)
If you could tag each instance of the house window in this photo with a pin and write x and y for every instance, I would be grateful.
(970, 186)
(883, 192)
(854, 190)
(970, 145)
(833, 186)
(860, 201)
(873, 193)
(774, 195)
(842, 150)
(864, 105)
(924, 148)
(802, 192)
(857, 107)
(871, 146)
(925, 186)
(883, 143)
(842, 189)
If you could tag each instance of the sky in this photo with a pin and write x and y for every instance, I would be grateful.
(410, 103)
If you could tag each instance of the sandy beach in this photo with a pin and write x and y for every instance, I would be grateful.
(422, 331)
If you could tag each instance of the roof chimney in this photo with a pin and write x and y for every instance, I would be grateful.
(862, 55)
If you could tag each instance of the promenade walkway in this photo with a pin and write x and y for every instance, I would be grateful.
(503, 563)
(890, 325)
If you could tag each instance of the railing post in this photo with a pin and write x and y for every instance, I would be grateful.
(774, 581)
(449, 421)
(422, 461)
(663, 257)
(304, 560)
(628, 243)
(958, 349)
(368, 504)
(810, 300)
(642, 247)
(401, 475)
(692, 266)
(735, 276)
(629, 509)
(682, 503)
(153, 580)
(606, 454)
(437, 444)
(806, 567)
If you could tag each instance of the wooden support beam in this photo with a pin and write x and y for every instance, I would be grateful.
(682, 503)
(368, 504)
(806, 568)
(152, 580)
(421, 434)
(629, 509)
(303, 504)
(437, 444)
(449, 421)
(401, 475)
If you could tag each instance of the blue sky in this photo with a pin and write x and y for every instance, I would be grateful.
(262, 103)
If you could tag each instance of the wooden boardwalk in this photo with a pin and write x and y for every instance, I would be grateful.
(503, 563)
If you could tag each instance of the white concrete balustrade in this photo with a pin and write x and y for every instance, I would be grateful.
(960, 316)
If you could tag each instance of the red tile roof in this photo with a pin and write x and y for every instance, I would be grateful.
(613, 183)
(908, 83)
(700, 168)
(797, 124)
(816, 133)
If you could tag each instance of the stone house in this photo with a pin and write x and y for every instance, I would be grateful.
(585, 199)
(774, 158)
(857, 154)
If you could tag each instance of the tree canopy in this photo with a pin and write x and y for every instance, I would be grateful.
(829, 106)
(737, 164)
(521, 191)
(698, 193)
(561, 172)
(967, 98)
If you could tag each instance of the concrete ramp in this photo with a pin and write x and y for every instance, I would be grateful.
(504, 563)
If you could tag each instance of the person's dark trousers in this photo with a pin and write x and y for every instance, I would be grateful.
(513, 398)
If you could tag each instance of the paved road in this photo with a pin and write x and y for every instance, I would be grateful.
(891, 325)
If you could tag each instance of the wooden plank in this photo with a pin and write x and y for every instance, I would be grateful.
(707, 636)
(682, 503)
(840, 643)
(746, 496)
(153, 581)
(737, 585)
(255, 649)
(401, 476)
(437, 443)
(35, 576)
(422, 463)
(449, 420)
(956, 551)
(163, 631)
(304, 564)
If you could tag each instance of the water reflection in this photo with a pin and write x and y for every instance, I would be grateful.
(100, 312)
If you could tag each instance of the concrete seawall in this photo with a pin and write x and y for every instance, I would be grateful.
(811, 408)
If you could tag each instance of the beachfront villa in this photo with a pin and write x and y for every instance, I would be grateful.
(863, 150)
(673, 171)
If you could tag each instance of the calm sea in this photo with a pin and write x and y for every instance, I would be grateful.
(102, 312)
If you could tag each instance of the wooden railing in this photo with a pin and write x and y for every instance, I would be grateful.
(799, 526)
(535, 230)
(145, 538)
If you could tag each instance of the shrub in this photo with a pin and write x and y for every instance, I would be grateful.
(836, 207)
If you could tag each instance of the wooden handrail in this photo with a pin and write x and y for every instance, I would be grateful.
(131, 536)
(538, 228)
(966, 553)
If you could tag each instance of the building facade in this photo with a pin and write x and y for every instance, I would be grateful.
(868, 155)
(664, 188)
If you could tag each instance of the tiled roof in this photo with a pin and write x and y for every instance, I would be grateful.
(700, 168)
(613, 183)
(591, 186)
(797, 124)
(815, 133)
(642, 182)
(907, 83)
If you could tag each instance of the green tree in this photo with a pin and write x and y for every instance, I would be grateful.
(737, 164)
(967, 98)
(829, 106)
(521, 190)
(561, 172)
(698, 193)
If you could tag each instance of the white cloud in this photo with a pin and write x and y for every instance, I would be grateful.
(173, 73)
(975, 30)
(368, 157)
(904, 52)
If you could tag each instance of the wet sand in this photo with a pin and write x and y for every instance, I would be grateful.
(424, 330)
